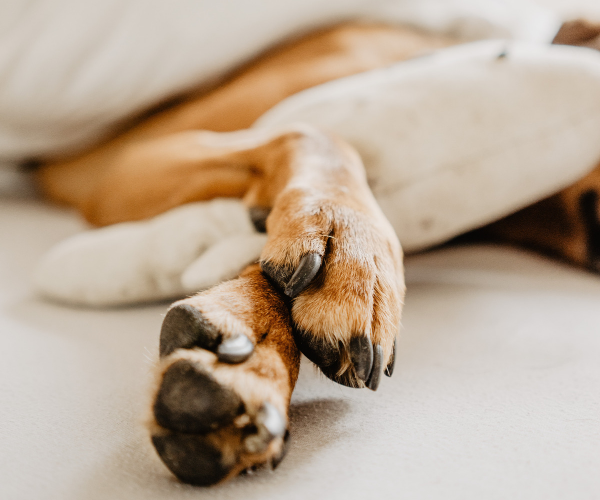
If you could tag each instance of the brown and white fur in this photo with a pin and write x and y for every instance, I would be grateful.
(330, 281)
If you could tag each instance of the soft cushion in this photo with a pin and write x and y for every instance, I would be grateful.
(70, 70)
(457, 139)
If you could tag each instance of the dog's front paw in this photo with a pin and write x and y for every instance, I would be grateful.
(229, 364)
(341, 263)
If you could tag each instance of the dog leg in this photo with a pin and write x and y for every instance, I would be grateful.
(332, 251)
(229, 361)
(161, 151)
(228, 368)
(565, 225)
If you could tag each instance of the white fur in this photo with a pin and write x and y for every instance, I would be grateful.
(142, 261)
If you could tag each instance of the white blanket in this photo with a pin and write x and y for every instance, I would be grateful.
(71, 69)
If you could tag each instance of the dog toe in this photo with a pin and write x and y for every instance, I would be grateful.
(269, 425)
(185, 326)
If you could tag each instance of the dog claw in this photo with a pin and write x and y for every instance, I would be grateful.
(192, 401)
(389, 369)
(305, 272)
(269, 424)
(322, 353)
(361, 354)
(258, 216)
(184, 327)
(235, 349)
(375, 376)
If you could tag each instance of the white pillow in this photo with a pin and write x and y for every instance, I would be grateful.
(460, 138)
(71, 69)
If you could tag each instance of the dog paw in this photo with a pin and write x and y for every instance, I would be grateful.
(213, 420)
(187, 249)
(228, 367)
(341, 264)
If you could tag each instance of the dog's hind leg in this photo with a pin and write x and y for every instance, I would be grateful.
(565, 225)
(228, 367)
(162, 149)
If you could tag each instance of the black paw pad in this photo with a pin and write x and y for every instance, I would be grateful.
(185, 327)
(191, 401)
(328, 358)
(320, 352)
(193, 459)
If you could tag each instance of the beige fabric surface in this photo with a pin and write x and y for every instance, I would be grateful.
(496, 392)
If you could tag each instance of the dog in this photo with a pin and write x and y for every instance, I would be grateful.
(330, 280)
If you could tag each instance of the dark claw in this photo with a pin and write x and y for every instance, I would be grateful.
(305, 272)
(235, 349)
(269, 425)
(375, 377)
(193, 459)
(191, 401)
(389, 369)
(279, 274)
(361, 354)
(185, 327)
(320, 352)
(327, 357)
(258, 216)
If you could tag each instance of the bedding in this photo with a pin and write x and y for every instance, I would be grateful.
(71, 71)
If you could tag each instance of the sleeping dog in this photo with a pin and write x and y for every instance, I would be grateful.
(329, 282)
